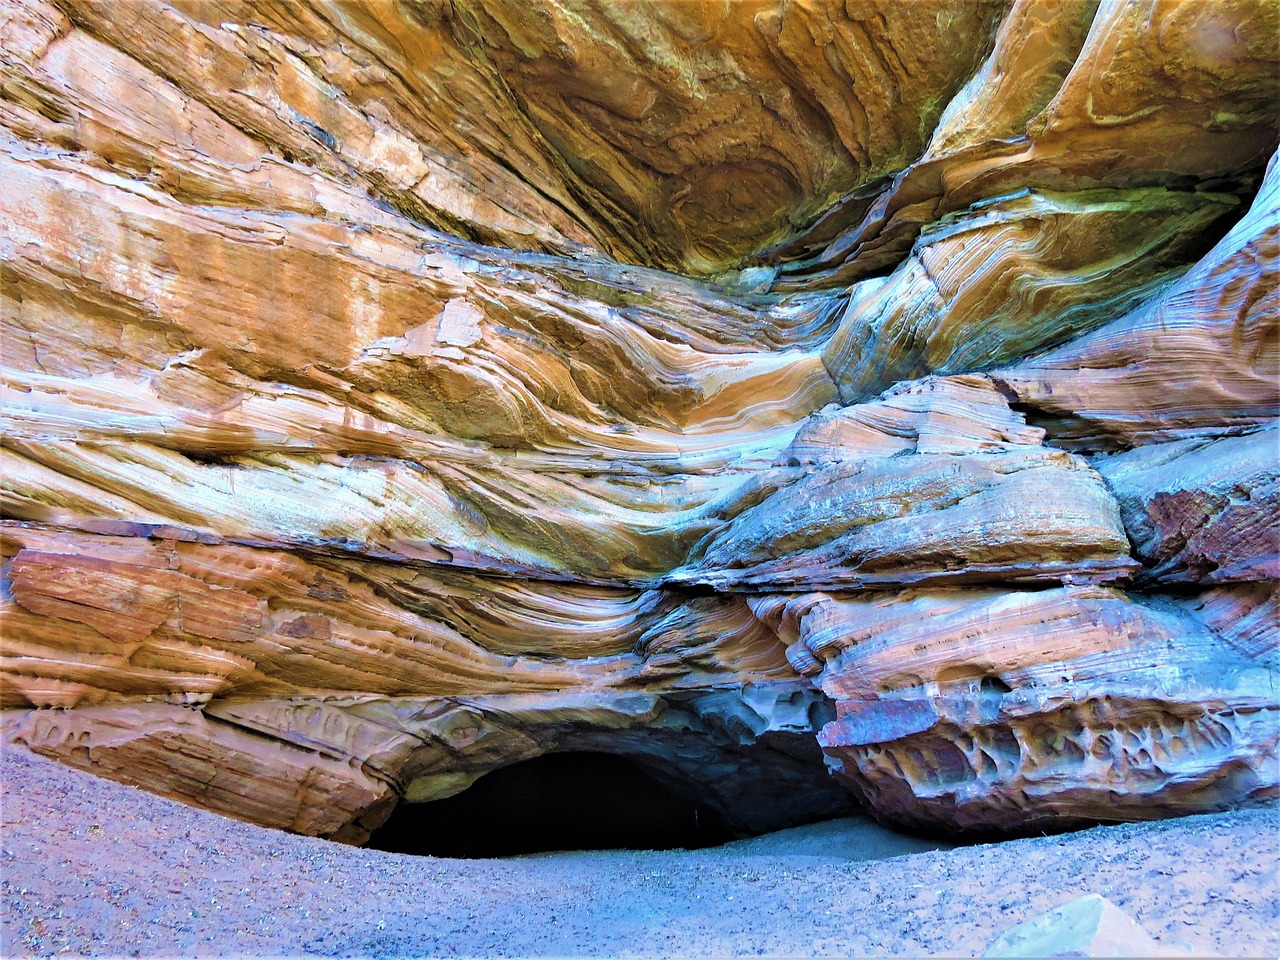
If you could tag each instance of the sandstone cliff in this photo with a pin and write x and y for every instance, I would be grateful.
(397, 391)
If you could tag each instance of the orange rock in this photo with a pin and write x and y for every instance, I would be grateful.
(392, 392)
(1200, 359)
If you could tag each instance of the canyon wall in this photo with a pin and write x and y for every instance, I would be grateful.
(395, 391)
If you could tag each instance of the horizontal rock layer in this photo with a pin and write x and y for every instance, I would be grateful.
(393, 393)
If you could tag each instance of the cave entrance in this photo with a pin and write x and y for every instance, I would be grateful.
(559, 801)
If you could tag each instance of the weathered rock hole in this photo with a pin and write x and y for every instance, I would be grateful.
(562, 801)
(994, 685)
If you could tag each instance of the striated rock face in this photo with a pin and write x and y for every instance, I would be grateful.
(892, 499)
(1198, 360)
(1201, 512)
(397, 392)
(986, 708)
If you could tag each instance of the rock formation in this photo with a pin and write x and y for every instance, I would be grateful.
(398, 391)
(1090, 926)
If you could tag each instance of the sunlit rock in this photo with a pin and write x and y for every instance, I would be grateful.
(396, 392)
(1090, 926)
(1201, 359)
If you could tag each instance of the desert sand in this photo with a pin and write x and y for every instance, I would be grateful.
(94, 868)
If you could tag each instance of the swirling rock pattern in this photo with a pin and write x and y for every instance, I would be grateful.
(395, 392)
(1198, 360)
(1006, 710)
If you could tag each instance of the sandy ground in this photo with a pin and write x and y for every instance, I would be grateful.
(94, 868)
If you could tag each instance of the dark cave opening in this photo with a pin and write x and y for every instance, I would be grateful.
(560, 801)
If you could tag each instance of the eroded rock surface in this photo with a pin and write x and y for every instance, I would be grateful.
(997, 709)
(1198, 360)
(395, 392)
(1202, 512)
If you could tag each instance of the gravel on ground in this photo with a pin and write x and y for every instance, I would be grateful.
(93, 868)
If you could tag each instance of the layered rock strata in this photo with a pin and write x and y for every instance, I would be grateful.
(1006, 710)
(393, 393)
(1198, 360)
